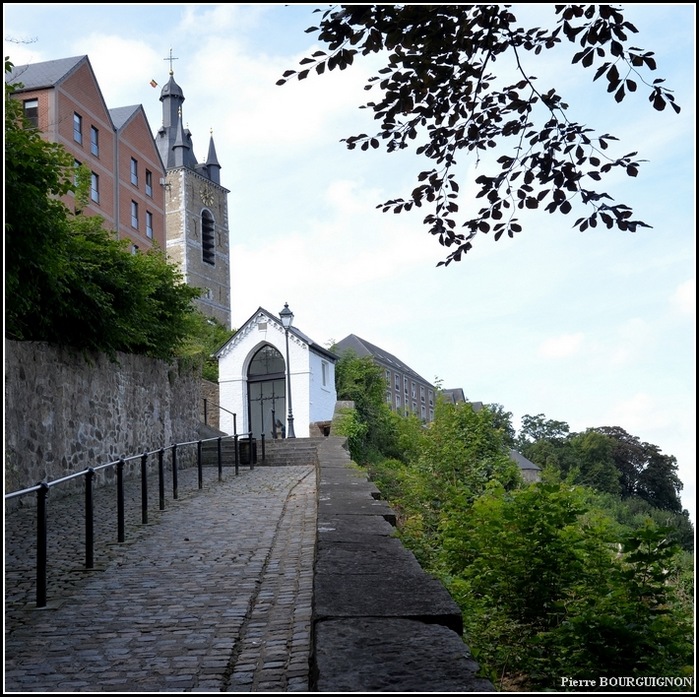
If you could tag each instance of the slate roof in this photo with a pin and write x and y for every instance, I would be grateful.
(455, 394)
(43, 75)
(522, 461)
(364, 348)
(122, 114)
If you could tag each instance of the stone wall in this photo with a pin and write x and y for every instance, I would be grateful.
(65, 412)
(210, 415)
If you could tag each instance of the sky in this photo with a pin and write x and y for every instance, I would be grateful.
(593, 329)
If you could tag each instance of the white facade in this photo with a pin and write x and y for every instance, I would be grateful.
(252, 379)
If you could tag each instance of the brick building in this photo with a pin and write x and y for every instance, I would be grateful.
(149, 189)
(406, 391)
(63, 100)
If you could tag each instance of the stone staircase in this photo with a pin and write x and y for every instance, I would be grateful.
(278, 453)
(290, 451)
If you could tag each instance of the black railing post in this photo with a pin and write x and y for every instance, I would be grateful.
(205, 421)
(144, 489)
(89, 520)
(235, 427)
(253, 451)
(41, 544)
(161, 477)
(262, 439)
(220, 461)
(235, 447)
(174, 471)
(199, 466)
(120, 500)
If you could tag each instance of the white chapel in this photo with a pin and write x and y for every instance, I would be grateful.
(275, 380)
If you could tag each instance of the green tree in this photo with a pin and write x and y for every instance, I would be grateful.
(631, 624)
(205, 337)
(465, 448)
(535, 428)
(441, 92)
(644, 470)
(592, 453)
(361, 380)
(551, 586)
(36, 229)
(658, 483)
(502, 419)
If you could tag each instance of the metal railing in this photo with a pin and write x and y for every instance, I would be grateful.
(220, 408)
(42, 489)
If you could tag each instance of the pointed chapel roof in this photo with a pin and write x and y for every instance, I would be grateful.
(317, 348)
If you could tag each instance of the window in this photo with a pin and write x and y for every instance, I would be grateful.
(76, 164)
(413, 388)
(134, 249)
(405, 385)
(78, 128)
(94, 141)
(324, 369)
(397, 381)
(388, 378)
(208, 252)
(397, 401)
(429, 394)
(95, 187)
(423, 412)
(149, 225)
(149, 183)
(134, 172)
(31, 111)
(389, 398)
(134, 215)
(414, 407)
(422, 393)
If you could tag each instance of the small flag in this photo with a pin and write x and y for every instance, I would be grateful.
(153, 83)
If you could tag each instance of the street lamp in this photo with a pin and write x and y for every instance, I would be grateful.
(287, 317)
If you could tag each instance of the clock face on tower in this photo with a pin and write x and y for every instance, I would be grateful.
(207, 195)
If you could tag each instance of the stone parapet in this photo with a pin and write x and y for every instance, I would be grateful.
(380, 623)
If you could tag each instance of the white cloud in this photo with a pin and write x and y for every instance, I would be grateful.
(562, 346)
(684, 300)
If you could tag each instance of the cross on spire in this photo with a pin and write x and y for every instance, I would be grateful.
(170, 58)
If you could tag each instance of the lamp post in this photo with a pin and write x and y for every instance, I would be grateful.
(287, 317)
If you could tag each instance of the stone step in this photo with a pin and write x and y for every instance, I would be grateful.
(280, 452)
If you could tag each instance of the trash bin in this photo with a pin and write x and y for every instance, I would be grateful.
(248, 454)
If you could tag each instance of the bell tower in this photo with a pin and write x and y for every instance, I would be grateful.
(196, 208)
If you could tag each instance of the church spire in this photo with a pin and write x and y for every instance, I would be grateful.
(212, 164)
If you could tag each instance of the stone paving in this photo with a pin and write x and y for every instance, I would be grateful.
(214, 594)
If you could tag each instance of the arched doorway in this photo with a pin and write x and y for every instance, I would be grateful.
(267, 392)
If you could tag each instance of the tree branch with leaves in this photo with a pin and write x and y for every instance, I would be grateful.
(440, 94)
